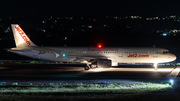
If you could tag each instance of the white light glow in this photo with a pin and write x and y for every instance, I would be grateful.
(132, 69)
(171, 81)
(164, 34)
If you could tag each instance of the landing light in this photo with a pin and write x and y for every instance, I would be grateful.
(171, 82)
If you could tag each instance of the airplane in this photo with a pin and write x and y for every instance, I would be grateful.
(91, 56)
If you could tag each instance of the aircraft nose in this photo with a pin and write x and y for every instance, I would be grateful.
(172, 57)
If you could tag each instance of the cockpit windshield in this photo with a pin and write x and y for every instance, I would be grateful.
(165, 52)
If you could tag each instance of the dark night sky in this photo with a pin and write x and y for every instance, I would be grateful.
(91, 7)
(23, 8)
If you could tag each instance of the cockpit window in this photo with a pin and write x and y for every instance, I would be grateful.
(165, 52)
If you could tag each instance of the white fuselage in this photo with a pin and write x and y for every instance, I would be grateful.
(115, 54)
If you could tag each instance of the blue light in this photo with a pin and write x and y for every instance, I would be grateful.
(171, 81)
(64, 55)
(164, 34)
(105, 82)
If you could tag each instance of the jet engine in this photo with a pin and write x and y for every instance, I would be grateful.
(104, 63)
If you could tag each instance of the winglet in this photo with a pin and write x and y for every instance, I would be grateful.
(21, 39)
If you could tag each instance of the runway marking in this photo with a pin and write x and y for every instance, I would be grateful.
(173, 73)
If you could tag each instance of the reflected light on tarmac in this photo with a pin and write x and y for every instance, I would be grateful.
(132, 69)
(177, 69)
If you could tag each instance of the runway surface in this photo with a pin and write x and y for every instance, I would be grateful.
(67, 73)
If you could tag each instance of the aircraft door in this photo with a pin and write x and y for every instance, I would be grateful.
(155, 53)
(120, 52)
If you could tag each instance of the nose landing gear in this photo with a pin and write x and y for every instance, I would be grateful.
(155, 66)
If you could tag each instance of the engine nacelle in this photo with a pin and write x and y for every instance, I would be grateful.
(102, 63)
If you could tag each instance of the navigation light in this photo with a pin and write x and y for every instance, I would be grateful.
(64, 55)
(99, 46)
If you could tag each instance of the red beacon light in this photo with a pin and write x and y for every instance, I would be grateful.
(99, 46)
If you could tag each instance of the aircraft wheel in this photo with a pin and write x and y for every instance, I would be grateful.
(86, 67)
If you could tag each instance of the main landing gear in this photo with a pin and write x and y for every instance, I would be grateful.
(103, 63)
(87, 67)
(90, 65)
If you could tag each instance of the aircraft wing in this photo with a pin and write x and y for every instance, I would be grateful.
(83, 58)
(59, 53)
